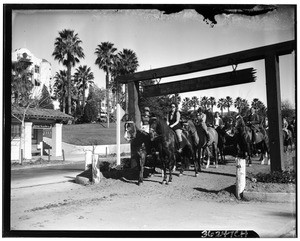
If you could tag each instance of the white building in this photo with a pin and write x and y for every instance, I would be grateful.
(40, 68)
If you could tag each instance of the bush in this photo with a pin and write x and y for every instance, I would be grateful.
(277, 177)
(90, 112)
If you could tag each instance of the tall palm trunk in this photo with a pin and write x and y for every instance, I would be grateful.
(69, 87)
(107, 98)
(83, 94)
(126, 98)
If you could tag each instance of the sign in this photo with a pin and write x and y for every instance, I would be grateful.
(44, 126)
(200, 83)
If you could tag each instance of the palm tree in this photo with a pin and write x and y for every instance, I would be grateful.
(83, 78)
(238, 104)
(212, 102)
(204, 102)
(194, 102)
(244, 106)
(186, 104)
(68, 52)
(221, 104)
(60, 88)
(105, 60)
(127, 63)
(228, 103)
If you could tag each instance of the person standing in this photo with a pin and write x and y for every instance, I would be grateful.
(173, 120)
(218, 122)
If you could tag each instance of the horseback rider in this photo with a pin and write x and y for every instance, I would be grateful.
(253, 122)
(173, 120)
(201, 120)
(145, 119)
(285, 126)
(218, 122)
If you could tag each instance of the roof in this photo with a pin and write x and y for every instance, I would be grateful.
(38, 113)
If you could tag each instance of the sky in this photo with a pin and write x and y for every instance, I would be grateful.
(163, 40)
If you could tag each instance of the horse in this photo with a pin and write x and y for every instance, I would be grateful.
(167, 145)
(142, 147)
(190, 131)
(287, 140)
(245, 145)
(226, 142)
(205, 148)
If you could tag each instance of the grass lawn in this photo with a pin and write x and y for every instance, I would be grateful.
(91, 134)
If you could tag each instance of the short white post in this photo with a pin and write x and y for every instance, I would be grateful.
(240, 176)
(95, 169)
(88, 159)
(27, 140)
(57, 139)
(41, 148)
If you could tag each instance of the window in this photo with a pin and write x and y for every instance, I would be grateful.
(15, 131)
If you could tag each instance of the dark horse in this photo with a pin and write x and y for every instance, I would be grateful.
(166, 145)
(244, 141)
(205, 148)
(189, 150)
(142, 147)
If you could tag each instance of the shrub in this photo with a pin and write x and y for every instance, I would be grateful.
(90, 112)
(277, 177)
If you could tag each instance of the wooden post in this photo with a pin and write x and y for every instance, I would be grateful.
(240, 177)
(63, 154)
(274, 112)
(134, 114)
(49, 153)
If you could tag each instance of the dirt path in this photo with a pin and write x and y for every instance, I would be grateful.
(188, 203)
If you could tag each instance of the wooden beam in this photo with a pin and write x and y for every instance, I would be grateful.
(201, 83)
(211, 63)
(274, 112)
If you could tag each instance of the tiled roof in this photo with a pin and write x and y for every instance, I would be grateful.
(39, 113)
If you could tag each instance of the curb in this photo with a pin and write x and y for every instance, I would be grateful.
(269, 197)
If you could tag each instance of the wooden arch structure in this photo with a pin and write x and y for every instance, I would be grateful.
(270, 54)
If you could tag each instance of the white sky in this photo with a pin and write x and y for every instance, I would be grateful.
(160, 41)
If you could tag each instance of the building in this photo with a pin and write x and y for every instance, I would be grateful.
(41, 70)
(27, 139)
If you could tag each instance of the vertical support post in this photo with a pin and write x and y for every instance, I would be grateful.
(95, 169)
(118, 135)
(134, 114)
(57, 139)
(27, 140)
(274, 112)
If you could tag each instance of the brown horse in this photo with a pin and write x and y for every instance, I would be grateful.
(206, 149)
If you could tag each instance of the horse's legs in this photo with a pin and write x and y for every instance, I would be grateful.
(141, 163)
(208, 157)
(164, 171)
(216, 154)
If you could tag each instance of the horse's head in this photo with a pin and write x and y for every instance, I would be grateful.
(153, 125)
(239, 121)
(130, 130)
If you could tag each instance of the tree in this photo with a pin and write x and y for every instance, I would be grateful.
(244, 107)
(90, 113)
(238, 104)
(45, 100)
(21, 84)
(204, 102)
(221, 104)
(212, 102)
(83, 78)
(105, 60)
(186, 104)
(60, 88)
(259, 105)
(127, 63)
(99, 97)
(228, 103)
(194, 102)
(287, 111)
(68, 51)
